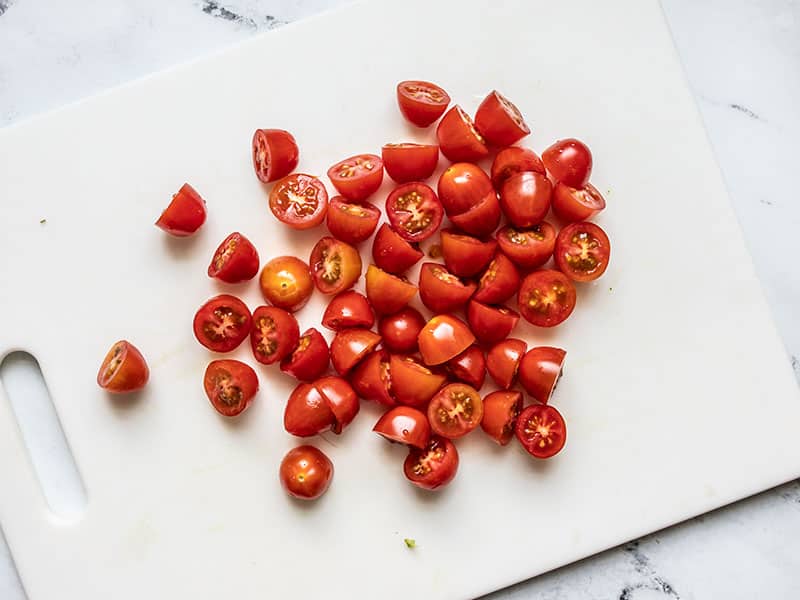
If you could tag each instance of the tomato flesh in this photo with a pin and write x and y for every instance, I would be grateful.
(234, 260)
(230, 386)
(185, 213)
(414, 211)
(358, 177)
(500, 412)
(541, 430)
(582, 251)
(455, 410)
(546, 298)
(123, 369)
(310, 358)
(499, 120)
(433, 466)
(335, 266)
(570, 204)
(410, 162)
(421, 102)
(499, 282)
(222, 323)
(372, 379)
(275, 334)
(458, 139)
(528, 248)
(275, 154)
(300, 201)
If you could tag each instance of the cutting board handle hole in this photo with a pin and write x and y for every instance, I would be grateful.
(10, 583)
(43, 436)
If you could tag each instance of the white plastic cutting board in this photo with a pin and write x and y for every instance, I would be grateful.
(677, 392)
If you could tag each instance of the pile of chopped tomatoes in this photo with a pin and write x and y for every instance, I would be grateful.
(426, 369)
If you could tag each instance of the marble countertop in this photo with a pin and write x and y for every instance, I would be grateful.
(742, 59)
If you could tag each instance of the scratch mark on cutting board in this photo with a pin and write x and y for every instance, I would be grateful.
(746, 111)
(228, 13)
(654, 582)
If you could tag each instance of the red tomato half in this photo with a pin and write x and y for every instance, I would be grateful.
(123, 370)
(392, 253)
(348, 309)
(500, 412)
(546, 298)
(468, 367)
(582, 251)
(433, 466)
(463, 186)
(358, 177)
(513, 160)
(230, 386)
(442, 338)
(372, 378)
(404, 425)
(349, 346)
(222, 323)
(458, 138)
(335, 266)
(275, 154)
(185, 214)
(440, 290)
(421, 102)
(414, 211)
(570, 204)
(341, 399)
(300, 201)
(569, 162)
(455, 410)
(413, 384)
(490, 324)
(502, 361)
(482, 219)
(541, 430)
(410, 162)
(386, 292)
(306, 472)
(525, 198)
(540, 370)
(499, 121)
(499, 282)
(464, 255)
(275, 334)
(528, 248)
(310, 359)
(351, 222)
(307, 413)
(235, 260)
(399, 331)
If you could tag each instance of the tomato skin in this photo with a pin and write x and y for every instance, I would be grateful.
(230, 386)
(541, 430)
(399, 331)
(414, 211)
(413, 384)
(500, 412)
(540, 370)
(275, 154)
(357, 177)
(513, 160)
(286, 283)
(433, 466)
(525, 198)
(275, 334)
(490, 324)
(234, 260)
(528, 248)
(499, 282)
(462, 186)
(455, 410)
(307, 413)
(482, 219)
(440, 290)
(310, 359)
(582, 251)
(503, 360)
(123, 369)
(421, 102)
(499, 121)
(442, 338)
(404, 425)
(546, 298)
(349, 346)
(299, 201)
(185, 213)
(458, 139)
(372, 378)
(571, 205)
(341, 399)
(464, 255)
(305, 472)
(392, 253)
(569, 162)
(386, 292)
(335, 266)
(222, 323)
(351, 222)
(348, 309)
(410, 162)
(468, 367)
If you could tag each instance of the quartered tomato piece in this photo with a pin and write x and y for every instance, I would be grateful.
(455, 410)
(464, 255)
(500, 412)
(525, 198)
(348, 309)
(541, 430)
(490, 324)
(414, 211)
(421, 102)
(123, 370)
(349, 346)
(399, 331)
(222, 323)
(546, 298)
(404, 425)
(513, 160)
(335, 266)
(410, 162)
(581, 204)
(386, 292)
(275, 154)
(341, 399)
(440, 290)
(499, 121)
(413, 383)
(235, 260)
(230, 386)
(372, 378)
(540, 370)
(458, 138)
(528, 248)
(468, 367)
(482, 219)
(307, 413)
(392, 253)
(351, 222)
(442, 338)
(306, 472)
(569, 162)
(300, 201)
(286, 283)
(462, 186)
(358, 177)
(310, 359)
(582, 251)
(433, 466)
(185, 214)
(499, 282)
(503, 360)
(275, 334)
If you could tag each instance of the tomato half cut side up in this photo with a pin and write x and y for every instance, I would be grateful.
(358, 177)
(392, 253)
(546, 298)
(540, 370)
(414, 211)
(310, 358)
(230, 385)
(275, 334)
(222, 323)
(458, 139)
(433, 466)
(410, 162)
(421, 102)
(541, 430)
(351, 222)
(300, 201)
(581, 204)
(235, 260)
(499, 120)
(335, 265)
(275, 154)
(582, 251)
(404, 425)
(510, 161)
(305, 473)
(185, 213)
(569, 162)
(528, 248)
(500, 412)
(442, 338)
(455, 410)
(123, 369)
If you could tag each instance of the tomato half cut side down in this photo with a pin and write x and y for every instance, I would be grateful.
(351, 222)
(465, 255)
(358, 177)
(275, 334)
(392, 253)
(582, 251)
(421, 102)
(458, 139)
(490, 324)
(372, 379)
(123, 370)
(513, 160)
(185, 213)
(442, 338)
(235, 260)
(525, 198)
(414, 211)
(462, 186)
(500, 412)
(341, 399)
(413, 384)
(305, 473)
(349, 346)
(569, 162)
(468, 367)
(386, 292)
(499, 120)
(482, 219)
(540, 370)
(541, 430)
(546, 298)
(503, 359)
(310, 359)
(399, 331)
(286, 282)
(307, 413)
(499, 282)
(440, 290)
(410, 162)
(455, 410)
(275, 154)
(300, 201)
(348, 309)
(230, 385)
(222, 323)
(433, 466)
(571, 204)
(404, 425)
(335, 266)
(528, 248)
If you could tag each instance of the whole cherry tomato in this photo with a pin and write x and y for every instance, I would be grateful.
(358, 177)
(185, 214)
(341, 399)
(440, 290)
(413, 384)
(349, 346)
(372, 378)
(421, 102)
(502, 361)
(230, 386)
(541, 430)
(386, 292)
(468, 367)
(222, 323)
(414, 211)
(307, 413)
(399, 331)
(528, 248)
(275, 334)
(499, 282)
(455, 410)
(462, 186)
(392, 253)
(482, 219)
(123, 370)
(348, 309)
(513, 160)
(404, 425)
(300, 201)
(525, 198)
(540, 370)
(499, 121)
(286, 283)
(306, 472)
(235, 260)
(582, 251)
(500, 412)
(490, 324)
(442, 338)
(546, 298)
(458, 138)
(464, 255)
(571, 204)
(275, 154)
(569, 162)
(351, 222)
(410, 162)
(433, 466)
(335, 266)
(310, 359)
